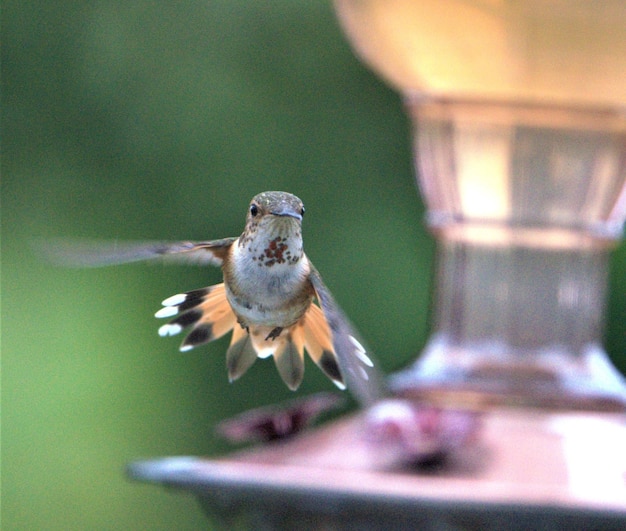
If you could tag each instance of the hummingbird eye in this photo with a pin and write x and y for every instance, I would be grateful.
(302, 211)
(254, 210)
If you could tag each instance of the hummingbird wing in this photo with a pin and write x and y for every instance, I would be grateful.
(355, 363)
(97, 253)
(325, 333)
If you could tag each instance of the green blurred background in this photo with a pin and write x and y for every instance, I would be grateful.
(160, 120)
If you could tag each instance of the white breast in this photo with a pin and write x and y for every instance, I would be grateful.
(269, 286)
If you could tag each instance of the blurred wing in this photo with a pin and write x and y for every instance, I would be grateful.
(355, 362)
(97, 253)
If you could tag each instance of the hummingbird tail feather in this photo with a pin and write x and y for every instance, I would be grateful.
(205, 310)
(318, 343)
(240, 355)
(289, 357)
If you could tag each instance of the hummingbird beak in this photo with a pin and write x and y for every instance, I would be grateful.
(287, 211)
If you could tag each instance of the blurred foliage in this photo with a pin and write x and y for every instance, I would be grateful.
(158, 120)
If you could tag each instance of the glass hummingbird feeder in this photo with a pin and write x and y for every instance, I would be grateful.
(519, 127)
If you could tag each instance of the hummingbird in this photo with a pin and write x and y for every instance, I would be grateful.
(272, 298)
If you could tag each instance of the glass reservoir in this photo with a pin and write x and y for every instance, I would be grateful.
(519, 130)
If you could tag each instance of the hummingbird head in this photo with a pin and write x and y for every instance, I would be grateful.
(268, 205)
(273, 228)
